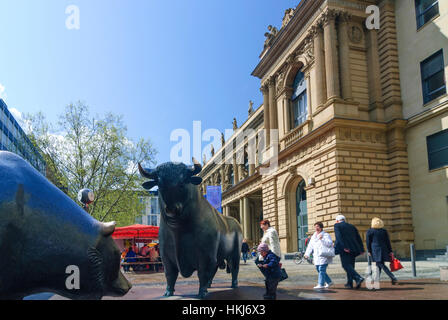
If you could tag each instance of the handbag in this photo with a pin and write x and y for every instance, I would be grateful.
(395, 264)
(284, 275)
(327, 252)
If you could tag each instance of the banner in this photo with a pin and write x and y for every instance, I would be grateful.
(214, 196)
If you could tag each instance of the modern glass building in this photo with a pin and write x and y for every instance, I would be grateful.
(151, 212)
(14, 139)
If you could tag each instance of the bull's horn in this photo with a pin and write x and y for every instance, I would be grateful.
(107, 228)
(196, 168)
(147, 173)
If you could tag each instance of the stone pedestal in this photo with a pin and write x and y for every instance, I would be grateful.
(444, 273)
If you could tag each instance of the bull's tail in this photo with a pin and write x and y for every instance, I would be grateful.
(222, 265)
(228, 268)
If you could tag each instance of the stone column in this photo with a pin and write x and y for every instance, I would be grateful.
(242, 214)
(319, 63)
(264, 89)
(376, 107)
(344, 56)
(246, 219)
(251, 169)
(272, 104)
(331, 55)
(309, 101)
(235, 171)
(286, 98)
(222, 171)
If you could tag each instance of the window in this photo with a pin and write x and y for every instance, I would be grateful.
(433, 77)
(437, 150)
(299, 104)
(425, 10)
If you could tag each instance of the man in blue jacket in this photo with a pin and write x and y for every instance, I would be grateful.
(348, 245)
(270, 268)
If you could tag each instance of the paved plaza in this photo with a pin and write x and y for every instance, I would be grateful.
(299, 286)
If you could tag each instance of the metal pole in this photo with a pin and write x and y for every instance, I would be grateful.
(413, 257)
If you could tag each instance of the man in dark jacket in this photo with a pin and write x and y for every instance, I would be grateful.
(245, 250)
(270, 267)
(348, 245)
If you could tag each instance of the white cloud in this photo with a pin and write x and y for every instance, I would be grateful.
(2, 92)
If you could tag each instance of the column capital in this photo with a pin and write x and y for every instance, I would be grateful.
(315, 30)
(345, 17)
(329, 16)
(271, 81)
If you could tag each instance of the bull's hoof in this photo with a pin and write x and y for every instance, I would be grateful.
(202, 294)
(168, 293)
(234, 284)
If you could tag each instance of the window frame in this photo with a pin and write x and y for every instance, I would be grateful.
(426, 95)
(436, 151)
(418, 14)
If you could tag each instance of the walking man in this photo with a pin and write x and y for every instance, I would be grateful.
(245, 250)
(348, 245)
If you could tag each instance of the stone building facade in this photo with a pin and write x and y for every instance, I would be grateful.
(331, 89)
(422, 30)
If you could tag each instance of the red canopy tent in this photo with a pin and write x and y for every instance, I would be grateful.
(136, 231)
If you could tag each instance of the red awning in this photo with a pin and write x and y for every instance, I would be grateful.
(136, 231)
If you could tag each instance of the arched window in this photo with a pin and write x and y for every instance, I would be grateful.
(302, 215)
(299, 100)
(231, 176)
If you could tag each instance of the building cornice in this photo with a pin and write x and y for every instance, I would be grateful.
(286, 35)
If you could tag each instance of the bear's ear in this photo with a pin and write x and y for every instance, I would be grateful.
(149, 184)
(196, 180)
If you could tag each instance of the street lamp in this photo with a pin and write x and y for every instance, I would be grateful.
(86, 197)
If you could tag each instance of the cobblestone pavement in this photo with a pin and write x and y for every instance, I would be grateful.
(299, 285)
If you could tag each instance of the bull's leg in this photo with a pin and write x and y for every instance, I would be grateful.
(205, 274)
(213, 276)
(171, 273)
(235, 268)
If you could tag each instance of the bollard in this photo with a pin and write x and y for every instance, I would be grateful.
(413, 257)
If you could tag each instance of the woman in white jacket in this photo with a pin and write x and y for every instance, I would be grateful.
(321, 246)
(270, 237)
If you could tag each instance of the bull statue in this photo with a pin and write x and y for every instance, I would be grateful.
(47, 240)
(192, 235)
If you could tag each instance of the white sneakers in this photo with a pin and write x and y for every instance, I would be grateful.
(327, 285)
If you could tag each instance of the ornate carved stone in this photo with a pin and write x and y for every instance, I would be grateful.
(292, 171)
(355, 34)
(270, 36)
(251, 109)
(235, 125)
(329, 15)
(289, 13)
(212, 150)
(223, 140)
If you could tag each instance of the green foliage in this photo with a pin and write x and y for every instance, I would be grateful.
(95, 153)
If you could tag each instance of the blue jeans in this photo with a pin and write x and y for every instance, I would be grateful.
(323, 276)
(245, 255)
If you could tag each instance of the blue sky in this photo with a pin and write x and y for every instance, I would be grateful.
(160, 63)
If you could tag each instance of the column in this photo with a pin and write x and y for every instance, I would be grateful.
(286, 98)
(251, 169)
(308, 94)
(236, 178)
(246, 218)
(222, 171)
(331, 55)
(319, 62)
(376, 106)
(264, 89)
(344, 56)
(272, 104)
(242, 214)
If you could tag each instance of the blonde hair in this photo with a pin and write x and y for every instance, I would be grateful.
(377, 223)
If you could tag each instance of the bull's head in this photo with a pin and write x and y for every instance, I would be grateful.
(175, 182)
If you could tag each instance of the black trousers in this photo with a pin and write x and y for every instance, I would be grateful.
(348, 263)
(271, 287)
(382, 266)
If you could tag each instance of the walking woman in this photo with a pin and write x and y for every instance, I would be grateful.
(321, 246)
(379, 247)
(270, 237)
